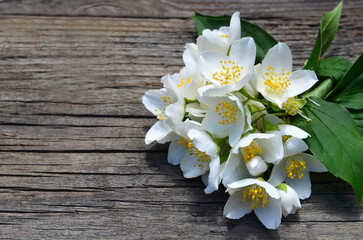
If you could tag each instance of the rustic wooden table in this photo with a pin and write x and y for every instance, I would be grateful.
(73, 163)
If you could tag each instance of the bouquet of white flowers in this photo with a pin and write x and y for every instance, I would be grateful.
(238, 114)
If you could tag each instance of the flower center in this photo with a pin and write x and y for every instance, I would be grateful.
(230, 74)
(224, 36)
(291, 106)
(182, 82)
(295, 167)
(201, 157)
(284, 138)
(251, 151)
(277, 83)
(160, 112)
(227, 111)
(255, 196)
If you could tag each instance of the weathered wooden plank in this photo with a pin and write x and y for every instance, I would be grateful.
(64, 133)
(73, 161)
(134, 195)
(102, 66)
(174, 8)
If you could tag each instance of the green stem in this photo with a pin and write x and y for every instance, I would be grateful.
(281, 114)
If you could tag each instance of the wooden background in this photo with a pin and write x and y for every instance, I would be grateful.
(73, 163)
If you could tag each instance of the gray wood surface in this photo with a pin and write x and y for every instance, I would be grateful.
(73, 163)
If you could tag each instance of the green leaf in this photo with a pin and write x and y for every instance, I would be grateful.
(328, 29)
(335, 140)
(349, 91)
(333, 67)
(263, 40)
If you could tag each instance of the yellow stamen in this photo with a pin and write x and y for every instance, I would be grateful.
(227, 111)
(251, 151)
(291, 106)
(255, 196)
(202, 158)
(295, 166)
(276, 83)
(160, 112)
(230, 74)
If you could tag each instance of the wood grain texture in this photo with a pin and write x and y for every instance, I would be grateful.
(283, 9)
(73, 163)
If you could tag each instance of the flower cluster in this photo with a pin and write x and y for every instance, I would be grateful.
(228, 121)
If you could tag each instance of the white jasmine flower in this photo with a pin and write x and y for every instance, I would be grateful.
(249, 195)
(291, 136)
(221, 39)
(250, 156)
(165, 105)
(294, 170)
(202, 155)
(189, 79)
(290, 201)
(225, 117)
(179, 147)
(228, 73)
(275, 79)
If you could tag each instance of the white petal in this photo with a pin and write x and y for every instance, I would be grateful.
(234, 170)
(279, 57)
(234, 27)
(160, 133)
(205, 178)
(175, 111)
(203, 142)
(301, 186)
(301, 80)
(153, 99)
(243, 52)
(286, 129)
(272, 149)
(271, 214)
(190, 61)
(213, 179)
(312, 163)
(278, 174)
(235, 208)
(176, 153)
(212, 125)
(294, 146)
(236, 129)
(256, 166)
(188, 83)
(191, 168)
(274, 120)
(289, 201)
(211, 41)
